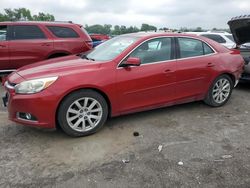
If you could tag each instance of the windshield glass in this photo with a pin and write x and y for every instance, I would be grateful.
(111, 48)
(230, 37)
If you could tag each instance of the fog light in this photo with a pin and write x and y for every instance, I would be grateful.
(26, 116)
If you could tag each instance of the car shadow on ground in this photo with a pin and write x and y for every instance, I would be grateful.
(120, 122)
(243, 85)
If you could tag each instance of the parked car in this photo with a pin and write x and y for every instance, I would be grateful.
(245, 46)
(240, 28)
(98, 38)
(224, 38)
(23, 43)
(126, 74)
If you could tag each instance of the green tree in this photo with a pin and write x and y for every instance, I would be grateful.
(198, 29)
(96, 29)
(24, 14)
(43, 17)
(184, 29)
(117, 30)
(123, 29)
(147, 27)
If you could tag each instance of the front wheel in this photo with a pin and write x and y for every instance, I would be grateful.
(220, 91)
(82, 113)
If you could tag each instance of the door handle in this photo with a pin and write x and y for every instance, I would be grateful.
(3, 46)
(210, 65)
(46, 44)
(168, 71)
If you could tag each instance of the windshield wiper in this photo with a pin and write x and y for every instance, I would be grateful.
(84, 56)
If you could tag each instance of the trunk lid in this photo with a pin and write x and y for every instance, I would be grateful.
(240, 28)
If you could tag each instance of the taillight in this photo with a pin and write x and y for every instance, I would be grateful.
(89, 44)
(235, 51)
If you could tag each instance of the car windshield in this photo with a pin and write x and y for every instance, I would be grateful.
(111, 48)
(230, 37)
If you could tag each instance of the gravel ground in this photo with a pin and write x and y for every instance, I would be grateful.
(201, 147)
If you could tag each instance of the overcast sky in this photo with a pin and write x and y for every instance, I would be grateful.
(161, 13)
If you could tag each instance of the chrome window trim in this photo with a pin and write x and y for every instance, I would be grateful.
(156, 62)
(8, 70)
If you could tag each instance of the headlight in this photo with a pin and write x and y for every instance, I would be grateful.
(34, 86)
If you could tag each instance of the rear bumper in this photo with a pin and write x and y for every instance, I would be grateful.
(245, 77)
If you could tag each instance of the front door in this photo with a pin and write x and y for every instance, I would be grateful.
(153, 82)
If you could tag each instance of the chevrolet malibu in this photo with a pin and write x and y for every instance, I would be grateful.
(129, 73)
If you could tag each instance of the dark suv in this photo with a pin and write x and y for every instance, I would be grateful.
(22, 43)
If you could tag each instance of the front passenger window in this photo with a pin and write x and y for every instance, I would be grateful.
(154, 50)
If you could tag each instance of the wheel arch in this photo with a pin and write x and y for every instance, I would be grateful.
(58, 54)
(231, 75)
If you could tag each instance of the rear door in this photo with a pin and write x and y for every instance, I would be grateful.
(4, 49)
(28, 44)
(195, 63)
(66, 39)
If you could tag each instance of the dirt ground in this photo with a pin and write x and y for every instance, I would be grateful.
(201, 147)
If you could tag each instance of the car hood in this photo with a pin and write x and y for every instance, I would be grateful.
(57, 67)
(240, 28)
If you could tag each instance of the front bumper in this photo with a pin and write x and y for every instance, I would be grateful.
(40, 105)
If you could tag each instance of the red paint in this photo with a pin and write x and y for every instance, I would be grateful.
(99, 36)
(17, 53)
(128, 89)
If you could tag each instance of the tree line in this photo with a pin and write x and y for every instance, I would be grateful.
(118, 30)
(24, 14)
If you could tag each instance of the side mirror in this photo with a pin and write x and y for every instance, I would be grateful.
(131, 61)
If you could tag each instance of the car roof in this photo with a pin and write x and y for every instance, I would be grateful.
(38, 22)
(150, 35)
(210, 33)
(159, 34)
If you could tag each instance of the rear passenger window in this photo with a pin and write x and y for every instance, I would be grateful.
(193, 47)
(190, 47)
(63, 32)
(3, 33)
(20, 32)
(207, 49)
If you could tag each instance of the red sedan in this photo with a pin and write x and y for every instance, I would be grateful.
(126, 74)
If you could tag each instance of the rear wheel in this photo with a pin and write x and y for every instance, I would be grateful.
(82, 113)
(220, 91)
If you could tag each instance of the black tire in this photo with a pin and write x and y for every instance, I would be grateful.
(209, 100)
(68, 102)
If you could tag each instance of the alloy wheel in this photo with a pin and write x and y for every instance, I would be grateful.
(84, 114)
(221, 90)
